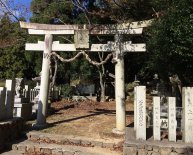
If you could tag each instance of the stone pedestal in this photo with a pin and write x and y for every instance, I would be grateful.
(23, 110)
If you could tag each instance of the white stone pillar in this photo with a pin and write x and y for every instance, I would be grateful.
(172, 119)
(135, 108)
(141, 113)
(44, 88)
(119, 86)
(2, 103)
(187, 104)
(156, 118)
(9, 101)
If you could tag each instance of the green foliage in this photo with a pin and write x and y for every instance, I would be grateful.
(171, 41)
(12, 57)
(66, 90)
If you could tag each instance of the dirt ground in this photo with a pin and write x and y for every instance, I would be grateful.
(87, 118)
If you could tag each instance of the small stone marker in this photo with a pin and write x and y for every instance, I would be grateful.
(187, 104)
(9, 101)
(172, 119)
(2, 103)
(156, 118)
(141, 113)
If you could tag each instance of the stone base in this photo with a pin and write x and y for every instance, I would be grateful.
(151, 147)
(23, 110)
(118, 132)
(38, 127)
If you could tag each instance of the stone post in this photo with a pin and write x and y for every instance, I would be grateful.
(172, 119)
(135, 108)
(44, 88)
(187, 104)
(156, 118)
(9, 101)
(141, 113)
(119, 86)
(2, 103)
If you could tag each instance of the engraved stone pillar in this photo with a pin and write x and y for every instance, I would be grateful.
(172, 119)
(141, 113)
(156, 118)
(187, 104)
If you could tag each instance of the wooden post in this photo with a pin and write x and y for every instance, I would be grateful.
(156, 118)
(43, 100)
(119, 86)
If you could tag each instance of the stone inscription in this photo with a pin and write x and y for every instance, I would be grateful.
(156, 118)
(172, 118)
(187, 103)
(141, 112)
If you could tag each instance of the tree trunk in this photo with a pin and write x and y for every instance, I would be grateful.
(101, 75)
(102, 85)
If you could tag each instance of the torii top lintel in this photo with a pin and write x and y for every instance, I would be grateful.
(125, 28)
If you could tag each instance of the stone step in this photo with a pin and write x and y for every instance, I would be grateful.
(12, 152)
(29, 147)
(36, 136)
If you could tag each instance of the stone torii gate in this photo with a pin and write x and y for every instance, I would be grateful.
(81, 36)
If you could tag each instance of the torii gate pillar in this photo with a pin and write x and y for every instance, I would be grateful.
(44, 88)
(119, 87)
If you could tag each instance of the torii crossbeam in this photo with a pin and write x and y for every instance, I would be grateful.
(81, 36)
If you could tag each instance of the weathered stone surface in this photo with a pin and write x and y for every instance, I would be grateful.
(45, 151)
(57, 152)
(108, 145)
(141, 146)
(174, 153)
(165, 151)
(149, 152)
(130, 151)
(85, 142)
(149, 148)
(68, 153)
(155, 149)
(142, 152)
(22, 148)
(180, 150)
(155, 153)
(75, 141)
(97, 143)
